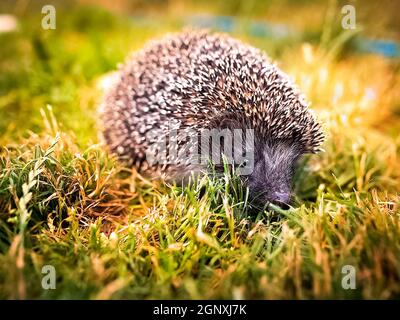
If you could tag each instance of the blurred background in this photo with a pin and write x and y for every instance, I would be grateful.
(341, 71)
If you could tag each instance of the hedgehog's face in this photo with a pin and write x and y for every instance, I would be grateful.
(271, 179)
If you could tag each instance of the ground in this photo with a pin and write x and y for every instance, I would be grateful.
(109, 233)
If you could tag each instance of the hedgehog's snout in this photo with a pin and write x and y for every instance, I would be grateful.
(271, 179)
(268, 189)
(281, 199)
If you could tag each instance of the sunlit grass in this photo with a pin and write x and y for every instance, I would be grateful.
(111, 233)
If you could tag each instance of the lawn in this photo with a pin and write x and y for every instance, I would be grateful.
(111, 234)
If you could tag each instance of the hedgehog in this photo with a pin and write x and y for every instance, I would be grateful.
(177, 87)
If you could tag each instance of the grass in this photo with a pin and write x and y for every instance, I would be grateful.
(110, 233)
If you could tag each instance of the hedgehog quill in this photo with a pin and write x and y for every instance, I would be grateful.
(193, 82)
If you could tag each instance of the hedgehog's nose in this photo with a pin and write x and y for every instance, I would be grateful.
(281, 199)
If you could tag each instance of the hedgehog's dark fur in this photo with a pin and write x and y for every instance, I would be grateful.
(198, 80)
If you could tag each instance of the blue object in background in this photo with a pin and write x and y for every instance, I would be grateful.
(229, 24)
(262, 29)
(222, 23)
(388, 48)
